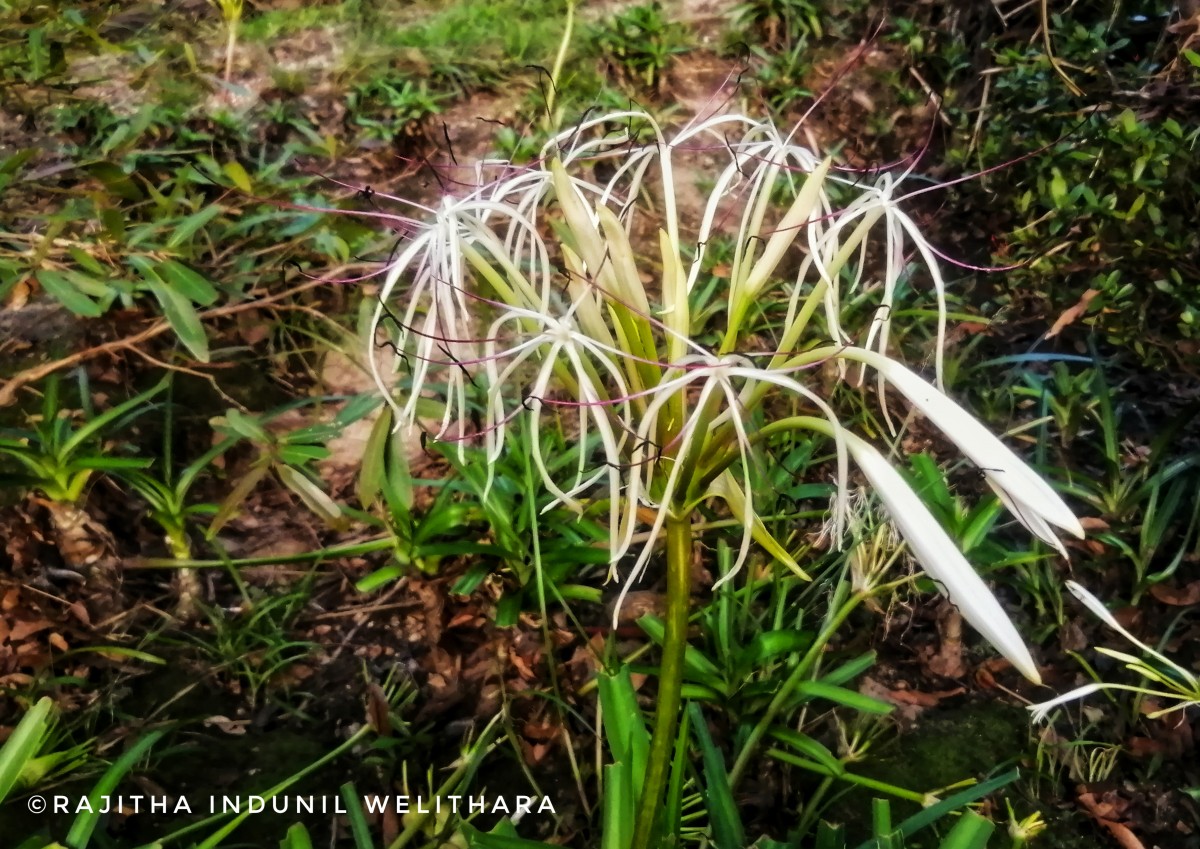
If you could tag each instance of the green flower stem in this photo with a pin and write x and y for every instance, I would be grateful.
(701, 445)
(838, 614)
(722, 461)
(670, 679)
(552, 120)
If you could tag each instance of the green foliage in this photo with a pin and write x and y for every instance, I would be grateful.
(783, 76)
(289, 456)
(60, 457)
(1147, 497)
(640, 41)
(247, 648)
(392, 107)
(20, 750)
(1107, 194)
(780, 24)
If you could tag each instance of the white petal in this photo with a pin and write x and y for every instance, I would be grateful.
(1025, 487)
(1033, 523)
(1096, 606)
(1042, 711)
(941, 558)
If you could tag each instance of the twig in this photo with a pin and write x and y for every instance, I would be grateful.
(8, 393)
(190, 371)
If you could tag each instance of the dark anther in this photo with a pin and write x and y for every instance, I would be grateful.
(449, 143)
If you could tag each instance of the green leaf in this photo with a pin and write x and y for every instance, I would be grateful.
(235, 172)
(116, 181)
(374, 462)
(771, 644)
(499, 838)
(94, 425)
(236, 496)
(300, 454)
(312, 495)
(354, 813)
(809, 747)
(189, 225)
(86, 261)
(187, 282)
(296, 838)
(696, 666)
(86, 822)
(379, 578)
(842, 696)
(22, 745)
(850, 670)
(718, 796)
(936, 811)
(177, 309)
(62, 289)
(624, 726)
(247, 427)
(619, 796)
(970, 832)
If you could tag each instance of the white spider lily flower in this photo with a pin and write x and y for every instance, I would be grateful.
(941, 558)
(1023, 491)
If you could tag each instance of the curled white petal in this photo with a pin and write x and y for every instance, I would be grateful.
(1042, 711)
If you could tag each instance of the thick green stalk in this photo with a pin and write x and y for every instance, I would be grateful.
(670, 679)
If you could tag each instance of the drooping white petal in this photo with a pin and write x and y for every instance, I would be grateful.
(1096, 606)
(1027, 491)
(941, 558)
(1033, 523)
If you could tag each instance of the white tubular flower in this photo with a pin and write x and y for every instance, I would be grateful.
(941, 558)
(1023, 491)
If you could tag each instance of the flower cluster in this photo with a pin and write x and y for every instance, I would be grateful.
(497, 316)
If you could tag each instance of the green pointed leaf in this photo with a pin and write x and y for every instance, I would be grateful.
(187, 282)
(22, 745)
(189, 225)
(177, 309)
(237, 174)
(62, 289)
(718, 796)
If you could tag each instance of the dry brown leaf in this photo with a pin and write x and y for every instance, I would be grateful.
(22, 629)
(467, 618)
(1072, 315)
(79, 611)
(1184, 596)
(1119, 831)
(948, 661)
(378, 714)
(235, 727)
